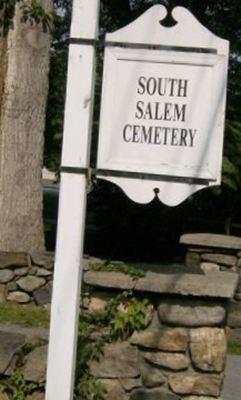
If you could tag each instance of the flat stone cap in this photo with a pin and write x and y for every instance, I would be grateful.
(211, 240)
(214, 285)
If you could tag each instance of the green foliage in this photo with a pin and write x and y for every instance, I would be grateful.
(17, 387)
(234, 347)
(122, 315)
(112, 266)
(32, 12)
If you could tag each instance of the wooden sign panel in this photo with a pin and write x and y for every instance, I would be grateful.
(163, 103)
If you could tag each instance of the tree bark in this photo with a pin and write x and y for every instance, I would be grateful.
(24, 67)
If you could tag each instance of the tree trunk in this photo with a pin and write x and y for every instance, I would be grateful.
(24, 66)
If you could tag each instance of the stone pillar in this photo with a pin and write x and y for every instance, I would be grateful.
(182, 353)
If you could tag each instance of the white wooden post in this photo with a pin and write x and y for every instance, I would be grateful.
(72, 204)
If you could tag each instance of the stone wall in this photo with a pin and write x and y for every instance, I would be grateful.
(26, 279)
(181, 353)
(217, 253)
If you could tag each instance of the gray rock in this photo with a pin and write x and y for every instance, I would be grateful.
(109, 280)
(209, 267)
(151, 376)
(208, 349)
(164, 339)
(6, 275)
(18, 297)
(10, 344)
(153, 394)
(196, 384)
(36, 396)
(222, 259)
(2, 294)
(192, 259)
(4, 396)
(191, 314)
(21, 271)
(129, 384)
(33, 270)
(237, 296)
(12, 286)
(220, 284)
(8, 259)
(173, 361)
(200, 398)
(44, 272)
(43, 295)
(212, 240)
(35, 366)
(234, 315)
(119, 360)
(114, 389)
(45, 259)
(30, 283)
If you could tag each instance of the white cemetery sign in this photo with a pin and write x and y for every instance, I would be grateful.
(163, 105)
(162, 121)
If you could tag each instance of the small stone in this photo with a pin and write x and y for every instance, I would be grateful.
(151, 376)
(18, 297)
(104, 279)
(191, 314)
(6, 275)
(12, 286)
(21, 271)
(211, 240)
(2, 294)
(209, 267)
(42, 296)
(33, 270)
(8, 259)
(45, 259)
(173, 361)
(208, 349)
(237, 296)
(239, 260)
(119, 360)
(97, 303)
(234, 315)
(196, 384)
(35, 367)
(129, 384)
(36, 396)
(222, 259)
(43, 272)
(192, 260)
(200, 398)
(175, 339)
(10, 344)
(4, 396)
(30, 283)
(153, 394)
(114, 389)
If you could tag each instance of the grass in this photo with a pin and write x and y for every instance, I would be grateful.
(234, 347)
(27, 316)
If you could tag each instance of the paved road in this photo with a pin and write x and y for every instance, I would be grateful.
(232, 383)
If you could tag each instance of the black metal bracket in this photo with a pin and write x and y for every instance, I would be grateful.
(102, 44)
(99, 173)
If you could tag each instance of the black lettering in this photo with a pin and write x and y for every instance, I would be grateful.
(125, 133)
(136, 129)
(183, 138)
(174, 141)
(192, 136)
(141, 81)
(182, 88)
(179, 112)
(139, 106)
(167, 111)
(151, 86)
